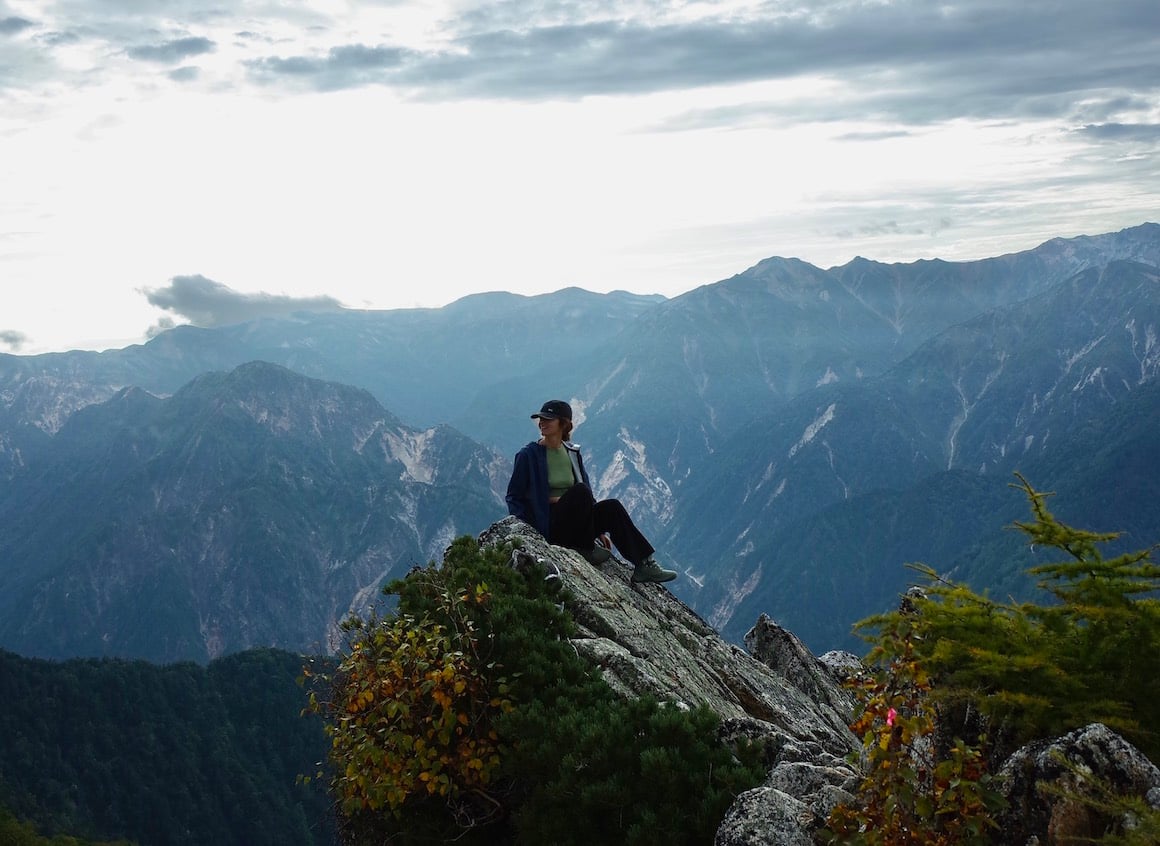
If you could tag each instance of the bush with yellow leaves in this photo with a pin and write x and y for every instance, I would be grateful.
(412, 707)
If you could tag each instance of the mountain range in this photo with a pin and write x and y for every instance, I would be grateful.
(940, 435)
(789, 437)
(256, 506)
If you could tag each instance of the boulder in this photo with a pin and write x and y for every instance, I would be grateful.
(765, 816)
(842, 666)
(1044, 780)
(784, 653)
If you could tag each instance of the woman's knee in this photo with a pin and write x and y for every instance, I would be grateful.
(578, 494)
(611, 507)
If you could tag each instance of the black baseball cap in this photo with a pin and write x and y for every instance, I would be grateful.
(554, 410)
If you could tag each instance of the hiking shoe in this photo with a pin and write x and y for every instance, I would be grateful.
(650, 571)
(596, 556)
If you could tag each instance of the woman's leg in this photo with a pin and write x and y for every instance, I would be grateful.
(571, 518)
(610, 516)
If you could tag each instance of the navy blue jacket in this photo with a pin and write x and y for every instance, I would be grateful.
(527, 493)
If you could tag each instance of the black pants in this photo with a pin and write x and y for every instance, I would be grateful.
(576, 519)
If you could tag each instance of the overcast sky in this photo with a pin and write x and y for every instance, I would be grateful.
(171, 161)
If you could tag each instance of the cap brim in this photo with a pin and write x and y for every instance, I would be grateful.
(544, 416)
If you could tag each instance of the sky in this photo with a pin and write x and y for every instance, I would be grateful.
(210, 161)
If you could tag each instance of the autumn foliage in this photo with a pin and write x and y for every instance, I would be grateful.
(413, 710)
(916, 792)
(466, 715)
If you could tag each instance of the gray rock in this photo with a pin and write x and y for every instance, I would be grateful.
(1036, 775)
(842, 666)
(646, 641)
(782, 651)
(766, 817)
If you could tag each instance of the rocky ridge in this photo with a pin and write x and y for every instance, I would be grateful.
(779, 695)
(646, 641)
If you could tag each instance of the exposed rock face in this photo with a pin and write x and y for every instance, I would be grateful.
(766, 816)
(1037, 773)
(782, 651)
(646, 641)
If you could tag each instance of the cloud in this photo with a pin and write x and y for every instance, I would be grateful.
(350, 66)
(12, 339)
(909, 62)
(13, 25)
(204, 302)
(906, 62)
(1147, 132)
(187, 73)
(170, 52)
(883, 228)
(60, 39)
(884, 135)
(163, 324)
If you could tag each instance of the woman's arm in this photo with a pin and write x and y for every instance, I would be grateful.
(518, 490)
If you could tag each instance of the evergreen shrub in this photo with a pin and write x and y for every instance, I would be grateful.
(951, 661)
(1089, 653)
(14, 832)
(567, 760)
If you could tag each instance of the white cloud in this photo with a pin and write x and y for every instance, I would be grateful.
(403, 153)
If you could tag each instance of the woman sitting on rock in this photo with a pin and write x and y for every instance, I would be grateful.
(549, 490)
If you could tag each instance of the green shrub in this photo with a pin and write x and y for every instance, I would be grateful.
(954, 660)
(1091, 653)
(566, 760)
(13, 832)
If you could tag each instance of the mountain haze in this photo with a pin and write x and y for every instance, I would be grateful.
(251, 508)
(788, 437)
(424, 364)
(707, 365)
(1011, 390)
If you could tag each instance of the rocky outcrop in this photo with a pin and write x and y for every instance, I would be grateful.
(646, 641)
(784, 653)
(1045, 782)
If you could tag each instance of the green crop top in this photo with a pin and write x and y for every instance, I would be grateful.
(560, 475)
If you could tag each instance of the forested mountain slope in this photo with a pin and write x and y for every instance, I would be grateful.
(163, 755)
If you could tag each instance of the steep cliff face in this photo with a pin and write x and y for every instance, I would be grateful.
(646, 641)
(252, 508)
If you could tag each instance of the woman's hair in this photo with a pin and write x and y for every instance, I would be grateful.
(566, 426)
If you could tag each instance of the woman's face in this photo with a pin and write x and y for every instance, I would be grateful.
(549, 428)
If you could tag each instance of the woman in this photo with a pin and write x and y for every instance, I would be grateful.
(550, 491)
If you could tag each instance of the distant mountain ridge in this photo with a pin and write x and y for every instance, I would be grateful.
(1011, 390)
(422, 362)
(253, 508)
(761, 428)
